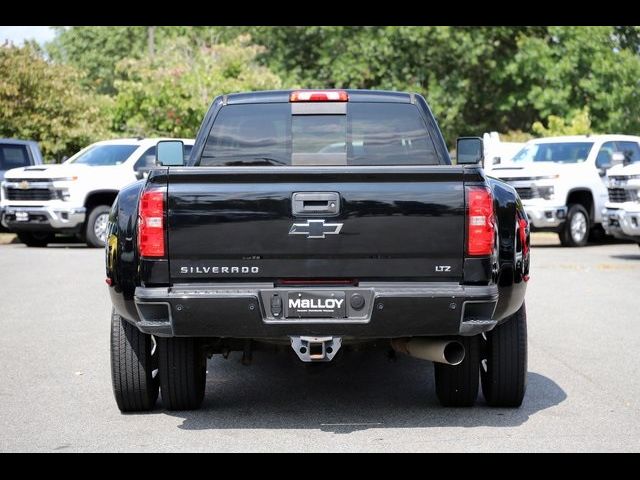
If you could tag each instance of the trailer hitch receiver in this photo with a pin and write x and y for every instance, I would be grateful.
(316, 349)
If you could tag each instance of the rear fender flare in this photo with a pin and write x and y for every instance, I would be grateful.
(512, 273)
(122, 257)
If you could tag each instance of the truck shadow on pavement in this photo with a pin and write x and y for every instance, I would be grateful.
(626, 257)
(362, 390)
(544, 246)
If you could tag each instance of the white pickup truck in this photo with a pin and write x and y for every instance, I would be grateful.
(562, 182)
(75, 197)
(621, 215)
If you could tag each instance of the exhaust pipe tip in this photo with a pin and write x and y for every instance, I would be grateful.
(450, 352)
(454, 353)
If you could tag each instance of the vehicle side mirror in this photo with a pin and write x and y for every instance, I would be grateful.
(469, 150)
(604, 161)
(170, 153)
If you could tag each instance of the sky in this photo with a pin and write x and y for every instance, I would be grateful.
(18, 34)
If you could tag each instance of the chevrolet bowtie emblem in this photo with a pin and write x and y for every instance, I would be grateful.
(315, 229)
(23, 185)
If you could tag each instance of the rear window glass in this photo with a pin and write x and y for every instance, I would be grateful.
(389, 134)
(250, 135)
(13, 156)
(369, 134)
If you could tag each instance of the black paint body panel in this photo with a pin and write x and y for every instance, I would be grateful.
(395, 224)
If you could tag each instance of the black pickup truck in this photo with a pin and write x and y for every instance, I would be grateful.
(318, 221)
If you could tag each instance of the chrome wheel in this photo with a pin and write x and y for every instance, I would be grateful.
(579, 227)
(100, 227)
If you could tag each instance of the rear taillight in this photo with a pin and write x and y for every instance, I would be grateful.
(480, 221)
(522, 228)
(151, 224)
(319, 96)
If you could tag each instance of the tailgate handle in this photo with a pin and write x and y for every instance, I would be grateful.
(315, 203)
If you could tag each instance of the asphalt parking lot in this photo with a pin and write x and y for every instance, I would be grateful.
(583, 383)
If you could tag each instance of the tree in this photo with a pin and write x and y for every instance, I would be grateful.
(44, 102)
(573, 68)
(476, 79)
(98, 49)
(170, 93)
(579, 123)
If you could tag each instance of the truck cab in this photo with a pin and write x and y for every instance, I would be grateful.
(562, 182)
(15, 154)
(75, 196)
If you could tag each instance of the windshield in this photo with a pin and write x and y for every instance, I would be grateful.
(104, 155)
(570, 152)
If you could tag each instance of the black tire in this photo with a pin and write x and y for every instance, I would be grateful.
(567, 239)
(183, 372)
(132, 367)
(90, 234)
(457, 385)
(504, 381)
(36, 239)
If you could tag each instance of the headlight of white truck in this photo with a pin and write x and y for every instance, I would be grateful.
(546, 191)
(62, 186)
(63, 194)
(65, 179)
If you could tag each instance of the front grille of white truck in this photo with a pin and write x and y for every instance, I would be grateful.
(31, 194)
(620, 195)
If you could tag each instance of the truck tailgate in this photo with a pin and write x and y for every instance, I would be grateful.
(238, 224)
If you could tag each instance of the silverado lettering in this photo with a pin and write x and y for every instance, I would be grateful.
(365, 233)
(215, 270)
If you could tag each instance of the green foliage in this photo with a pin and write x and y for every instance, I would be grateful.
(516, 136)
(578, 123)
(476, 79)
(573, 68)
(170, 93)
(98, 49)
(46, 103)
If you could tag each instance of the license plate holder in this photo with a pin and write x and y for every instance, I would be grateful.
(316, 304)
(22, 216)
